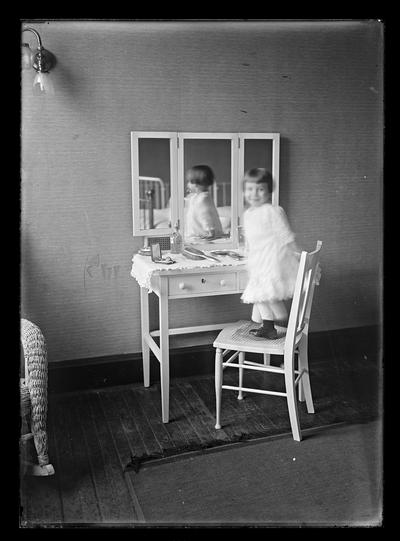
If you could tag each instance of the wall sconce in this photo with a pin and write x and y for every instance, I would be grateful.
(40, 60)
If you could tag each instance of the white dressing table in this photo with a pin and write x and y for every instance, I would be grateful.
(185, 279)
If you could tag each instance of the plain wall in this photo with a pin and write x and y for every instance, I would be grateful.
(318, 84)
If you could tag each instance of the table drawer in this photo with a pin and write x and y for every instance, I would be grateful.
(206, 283)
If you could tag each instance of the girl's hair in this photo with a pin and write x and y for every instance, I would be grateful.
(202, 175)
(259, 175)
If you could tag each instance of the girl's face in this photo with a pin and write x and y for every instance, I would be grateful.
(255, 194)
(191, 187)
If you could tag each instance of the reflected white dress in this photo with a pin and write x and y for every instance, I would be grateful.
(201, 215)
(272, 255)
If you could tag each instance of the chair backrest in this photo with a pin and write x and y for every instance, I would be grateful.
(303, 294)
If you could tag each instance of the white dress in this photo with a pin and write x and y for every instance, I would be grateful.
(272, 257)
(201, 215)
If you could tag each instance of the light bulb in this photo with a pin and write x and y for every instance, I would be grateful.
(26, 56)
(44, 81)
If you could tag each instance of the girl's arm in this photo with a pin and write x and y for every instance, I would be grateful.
(294, 247)
(283, 229)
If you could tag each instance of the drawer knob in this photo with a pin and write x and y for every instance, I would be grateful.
(203, 280)
(182, 285)
(223, 282)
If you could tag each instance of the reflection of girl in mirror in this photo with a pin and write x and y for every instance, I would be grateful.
(202, 220)
(272, 255)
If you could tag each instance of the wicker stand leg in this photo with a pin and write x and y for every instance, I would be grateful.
(35, 354)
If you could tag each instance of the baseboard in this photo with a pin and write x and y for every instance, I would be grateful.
(110, 371)
(98, 372)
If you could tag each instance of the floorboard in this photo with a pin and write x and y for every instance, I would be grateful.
(175, 433)
(123, 506)
(149, 438)
(70, 468)
(191, 436)
(97, 461)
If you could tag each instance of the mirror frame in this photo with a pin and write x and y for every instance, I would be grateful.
(173, 139)
(177, 142)
(234, 138)
(275, 138)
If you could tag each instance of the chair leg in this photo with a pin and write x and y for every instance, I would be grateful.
(305, 379)
(292, 400)
(218, 387)
(241, 362)
(300, 386)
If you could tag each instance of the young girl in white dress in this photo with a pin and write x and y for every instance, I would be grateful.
(272, 255)
(202, 219)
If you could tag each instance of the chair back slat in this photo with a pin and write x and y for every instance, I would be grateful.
(303, 294)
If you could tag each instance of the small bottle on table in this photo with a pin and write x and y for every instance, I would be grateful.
(176, 240)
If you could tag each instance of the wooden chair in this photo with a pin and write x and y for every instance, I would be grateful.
(33, 389)
(236, 338)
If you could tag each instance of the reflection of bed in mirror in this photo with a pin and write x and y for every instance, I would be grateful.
(155, 208)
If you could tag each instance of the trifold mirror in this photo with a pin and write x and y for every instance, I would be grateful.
(195, 180)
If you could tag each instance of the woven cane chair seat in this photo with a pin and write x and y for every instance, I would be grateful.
(236, 336)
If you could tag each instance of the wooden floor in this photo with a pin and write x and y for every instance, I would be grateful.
(95, 434)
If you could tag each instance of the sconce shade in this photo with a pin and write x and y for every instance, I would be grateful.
(26, 56)
(44, 81)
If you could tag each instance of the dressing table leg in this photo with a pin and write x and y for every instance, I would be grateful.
(144, 309)
(164, 349)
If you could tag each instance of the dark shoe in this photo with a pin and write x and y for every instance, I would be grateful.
(262, 332)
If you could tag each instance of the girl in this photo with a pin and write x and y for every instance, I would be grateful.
(202, 218)
(272, 255)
